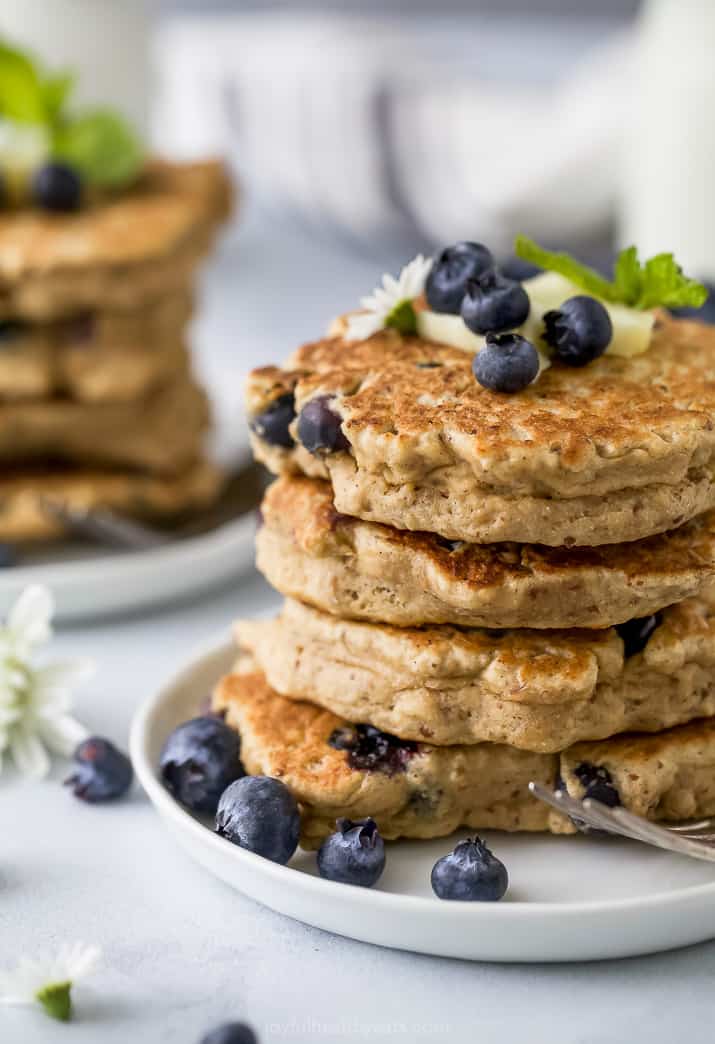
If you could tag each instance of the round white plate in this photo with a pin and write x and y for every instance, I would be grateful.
(569, 898)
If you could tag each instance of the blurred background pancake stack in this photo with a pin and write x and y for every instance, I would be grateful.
(98, 404)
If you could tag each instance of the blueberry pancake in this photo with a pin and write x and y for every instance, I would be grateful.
(120, 252)
(615, 451)
(98, 356)
(364, 570)
(161, 433)
(150, 498)
(535, 690)
(419, 791)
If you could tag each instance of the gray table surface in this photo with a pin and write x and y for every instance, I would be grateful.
(181, 951)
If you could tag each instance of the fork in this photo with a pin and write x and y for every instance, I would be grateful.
(694, 839)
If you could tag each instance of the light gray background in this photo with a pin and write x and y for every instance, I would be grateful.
(182, 951)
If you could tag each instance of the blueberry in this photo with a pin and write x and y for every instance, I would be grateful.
(319, 427)
(354, 854)
(636, 633)
(579, 331)
(11, 329)
(231, 1033)
(597, 784)
(102, 773)
(370, 750)
(260, 814)
(507, 363)
(470, 873)
(450, 272)
(199, 760)
(492, 303)
(272, 425)
(57, 187)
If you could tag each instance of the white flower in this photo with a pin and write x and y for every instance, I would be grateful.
(35, 701)
(49, 981)
(391, 303)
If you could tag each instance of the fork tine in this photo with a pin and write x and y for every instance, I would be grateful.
(569, 806)
(651, 833)
(692, 827)
(626, 824)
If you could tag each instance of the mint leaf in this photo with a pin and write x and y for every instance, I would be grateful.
(20, 90)
(102, 146)
(581, 275)
(55, 90)
(663, 283)
(627, 276)
(659, 283)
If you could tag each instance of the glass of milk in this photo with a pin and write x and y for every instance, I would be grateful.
(105, 41)
(668, 198)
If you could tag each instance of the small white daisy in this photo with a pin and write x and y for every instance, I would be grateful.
(48, 981)
(35, 701)
(391, 304)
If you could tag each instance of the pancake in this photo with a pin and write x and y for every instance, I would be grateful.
(161, 433)
(100, 356)
(119, 252)
(364, 570)
(149, 498)
(616, 451)
(536, 690)
(425, 791)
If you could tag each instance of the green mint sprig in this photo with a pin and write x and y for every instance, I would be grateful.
(657, 282)
(99, 143)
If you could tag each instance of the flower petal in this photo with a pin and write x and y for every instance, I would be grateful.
(28, 754)
(362, 326)
(30, 618)
(62, 734)
(63, 674)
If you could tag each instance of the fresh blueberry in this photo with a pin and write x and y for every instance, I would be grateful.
(470, 873)
(370, 750)
(319, 427)
(354, 854)
(507, 363)
(102, 773)
(492, 303)
(450, 272)
(8, 556)
(260, 814)
(636, 633)
(231, 1033)
(579, 331)
(199, 760)
(11, 329)
(80, 329)
(597, 783)
(57, 187)
(272, 425)
(515, 268)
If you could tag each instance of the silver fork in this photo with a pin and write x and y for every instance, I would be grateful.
(694, 839)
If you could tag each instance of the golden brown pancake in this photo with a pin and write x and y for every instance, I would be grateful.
(364, 570)
(614, 451)
(424, 791)
(118, 252)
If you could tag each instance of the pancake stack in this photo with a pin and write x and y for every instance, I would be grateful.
(483, 589)
(98, 405)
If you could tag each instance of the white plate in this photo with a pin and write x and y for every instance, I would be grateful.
(122, 581)
(569, 898)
